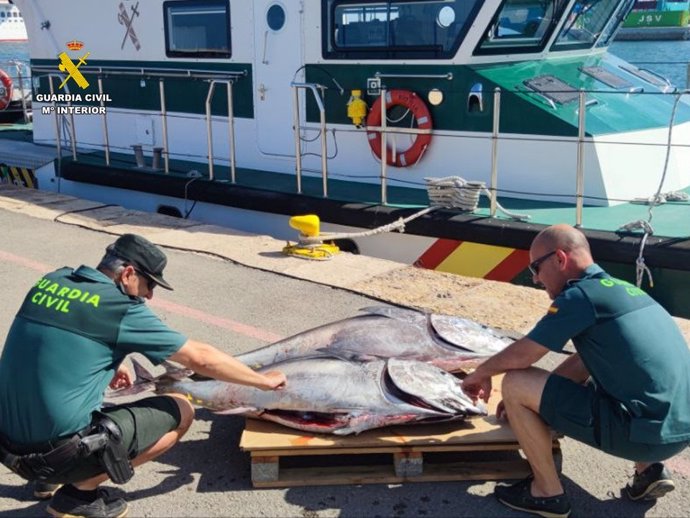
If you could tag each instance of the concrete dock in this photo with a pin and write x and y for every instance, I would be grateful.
(239, 292)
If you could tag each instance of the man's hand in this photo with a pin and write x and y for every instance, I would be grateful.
(276, 380)
(122, 378)
(477, 386)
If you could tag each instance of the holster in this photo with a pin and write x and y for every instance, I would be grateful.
(113, 455)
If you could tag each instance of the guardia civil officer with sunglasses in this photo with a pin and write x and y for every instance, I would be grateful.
(626, 391)
(65, 346)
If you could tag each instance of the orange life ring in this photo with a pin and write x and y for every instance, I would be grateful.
(5, 90)
(416, 105)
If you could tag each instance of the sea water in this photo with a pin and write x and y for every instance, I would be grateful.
(12, 50)
(670, 59)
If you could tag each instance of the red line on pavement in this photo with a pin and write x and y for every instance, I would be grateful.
(158, 302)
(23, 261)
(237, 327)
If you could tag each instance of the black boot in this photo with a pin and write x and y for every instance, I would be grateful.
(73, 503)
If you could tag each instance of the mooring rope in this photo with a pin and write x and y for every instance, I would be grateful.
(452, 192)
(657, 199)
(456, 192)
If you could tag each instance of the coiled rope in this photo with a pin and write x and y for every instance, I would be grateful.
(457, 193)
(657, 199)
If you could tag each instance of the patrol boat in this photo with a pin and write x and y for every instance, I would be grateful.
(360, 113)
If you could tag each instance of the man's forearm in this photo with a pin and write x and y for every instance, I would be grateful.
(519, 355)
(208, 361)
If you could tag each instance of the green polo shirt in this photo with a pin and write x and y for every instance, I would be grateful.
(632, 348)
(63, 348)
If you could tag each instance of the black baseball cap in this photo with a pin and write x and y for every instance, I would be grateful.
(146, 257)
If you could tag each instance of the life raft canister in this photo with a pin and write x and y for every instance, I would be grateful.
(5, 90)
(416, 105)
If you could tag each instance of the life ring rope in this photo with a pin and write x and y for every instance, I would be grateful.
(5, 90)
(414, 104)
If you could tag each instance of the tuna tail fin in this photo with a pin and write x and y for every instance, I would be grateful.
(145, 381)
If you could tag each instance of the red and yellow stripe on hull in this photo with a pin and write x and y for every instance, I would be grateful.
(496, 263)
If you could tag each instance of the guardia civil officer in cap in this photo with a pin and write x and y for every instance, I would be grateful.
(626, 390)
(65, 346)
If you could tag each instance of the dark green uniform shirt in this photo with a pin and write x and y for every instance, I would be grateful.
(68, 338)
(632, 348)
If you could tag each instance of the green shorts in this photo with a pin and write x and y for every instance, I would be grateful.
(142, 423)
(580, 412)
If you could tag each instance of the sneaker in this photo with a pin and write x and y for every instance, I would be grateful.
(44, 490)
(519, 497)
(652, 483)
(65, 505)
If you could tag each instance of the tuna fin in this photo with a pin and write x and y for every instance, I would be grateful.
(140, 372)
(145, 381)
(175, 372)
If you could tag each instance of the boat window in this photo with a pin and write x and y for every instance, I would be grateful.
(401, 29)
(585, 23)
(615, 22)
(275, 17)
(197, 28)
(521, 26)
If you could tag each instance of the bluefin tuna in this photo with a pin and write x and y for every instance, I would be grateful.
(449, 342)
(328, 394)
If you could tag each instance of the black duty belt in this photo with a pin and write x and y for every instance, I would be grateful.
(50, 459)
(43, 447)
(33, 465)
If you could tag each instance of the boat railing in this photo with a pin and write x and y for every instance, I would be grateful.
(214, 77)
(172, 73)
(641, 69)
(59, 119)
(497, 138)
(209, 126)
(580, 164)
(495, 135)
(317, 90)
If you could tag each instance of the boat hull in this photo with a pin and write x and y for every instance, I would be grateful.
(447, 241)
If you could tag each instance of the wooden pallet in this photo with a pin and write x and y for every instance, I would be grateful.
(478, 449)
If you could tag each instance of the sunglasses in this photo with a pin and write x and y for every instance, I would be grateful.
(150, 283)
(534, 265)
